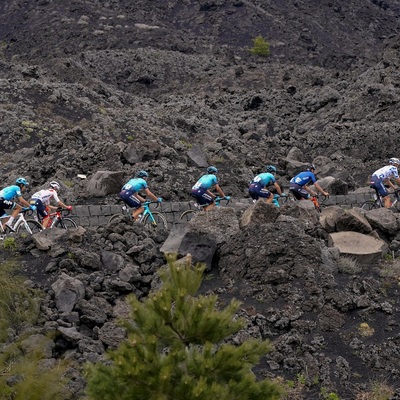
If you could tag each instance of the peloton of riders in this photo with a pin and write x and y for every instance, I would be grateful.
(11, 198)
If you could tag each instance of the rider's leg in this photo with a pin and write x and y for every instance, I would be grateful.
(137, 212)
(17, 209)
(386, 201)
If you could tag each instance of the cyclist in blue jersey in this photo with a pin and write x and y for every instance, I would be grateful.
(258, 186)
(130, 193)
(7, 197)
(383, 176)
(201, 189)
(298, 184)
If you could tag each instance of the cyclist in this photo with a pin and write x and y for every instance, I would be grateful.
(258, 186)
(383, 176)
(7, 195)
(201, 189)
(42, 198)
(298, 184)
(130, 193)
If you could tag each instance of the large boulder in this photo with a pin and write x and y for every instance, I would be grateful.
(351, 220)
(365, 249)
(383, 219)
(259, 213)
(103, 183)
(183, 240)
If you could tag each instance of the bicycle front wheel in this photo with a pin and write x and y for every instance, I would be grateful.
(157, 222)
(369, 205)
(187, 215)
(29, 226)
(65, 223)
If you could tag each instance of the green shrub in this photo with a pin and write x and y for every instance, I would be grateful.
(175, 348)
(260, 47)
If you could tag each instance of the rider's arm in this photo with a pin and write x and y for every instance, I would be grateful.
(219, 190)
(23, 201)
(319, 188)
(61, 204)
(389, 182)
(149, 193)
(278, 188)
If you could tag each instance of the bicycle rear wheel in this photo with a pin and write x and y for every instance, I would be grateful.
(187, 215)
(65, 223)
(159, 222)
(369, 205)
(30, 226)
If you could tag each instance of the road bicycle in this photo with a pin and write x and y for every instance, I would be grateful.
(318, 200)
(188, 214)
(377, 201)
(59, 219)
(151, 219)
(21, 225)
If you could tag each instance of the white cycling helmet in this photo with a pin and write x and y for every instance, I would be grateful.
(394, 160)
(55, 185)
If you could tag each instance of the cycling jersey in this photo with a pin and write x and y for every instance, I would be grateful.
(264, 179)
(385, 173)
(303, 178)
(45, 196)
(205, 182)
(135, 185)
(9, 192)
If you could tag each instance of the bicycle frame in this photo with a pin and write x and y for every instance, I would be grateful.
(217, 201)
(379, 200)
(20, 220)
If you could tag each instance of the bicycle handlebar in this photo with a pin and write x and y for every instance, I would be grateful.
(218, 199)
(148, 202)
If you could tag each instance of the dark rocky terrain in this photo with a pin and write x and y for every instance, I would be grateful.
(170, 87)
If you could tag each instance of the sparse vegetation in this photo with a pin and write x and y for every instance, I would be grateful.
(19, 305)
(377, 391)
(260, 47)
(9, 244)
(348, 265)
(25, 377)
(365, 330)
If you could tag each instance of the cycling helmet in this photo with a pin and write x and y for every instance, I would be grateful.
(55, 185)
(394, 160)
(21, 181)
(212, 170)
(270, 168)
(142, 174)
(310, 167)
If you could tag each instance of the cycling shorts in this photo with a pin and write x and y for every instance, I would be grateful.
(129, 197)
(202, 197)
(298, 191)
(42, 209)
(6, 205)
(378, 185)
(256, 191)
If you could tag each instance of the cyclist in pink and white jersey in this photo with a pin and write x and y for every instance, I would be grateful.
(42, 198)
(383, 176)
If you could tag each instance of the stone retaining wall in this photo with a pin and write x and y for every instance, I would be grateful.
(96, 215)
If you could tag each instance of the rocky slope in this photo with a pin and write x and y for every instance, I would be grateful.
(171, 87)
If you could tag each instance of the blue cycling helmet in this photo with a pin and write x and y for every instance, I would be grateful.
(270, 168)
(142, 174)
(310, 167)
(21, 181)
(212, 170)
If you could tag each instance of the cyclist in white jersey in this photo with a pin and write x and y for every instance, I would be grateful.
(383, 176)
(42, 198)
